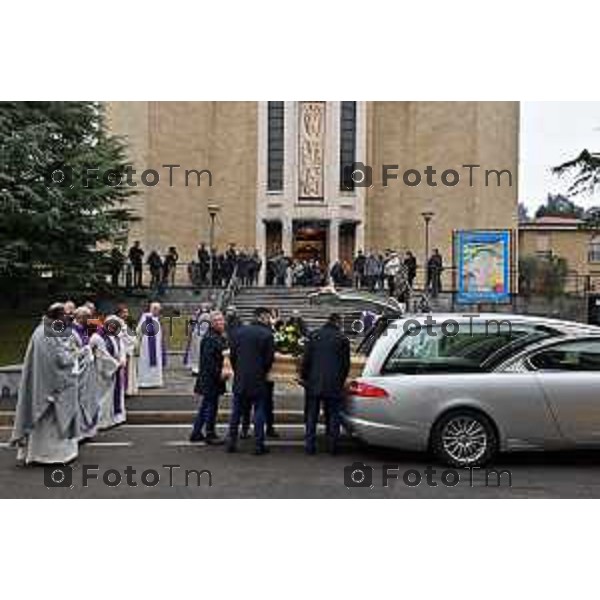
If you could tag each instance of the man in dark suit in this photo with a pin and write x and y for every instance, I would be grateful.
(210, 383)
(252, 354)
(325, 367)
(136, 256)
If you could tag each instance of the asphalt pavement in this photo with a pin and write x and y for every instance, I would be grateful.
(163, 464)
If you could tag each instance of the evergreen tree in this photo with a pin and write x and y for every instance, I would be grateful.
(559, 206)
(65, 228)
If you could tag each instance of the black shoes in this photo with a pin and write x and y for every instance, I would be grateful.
(213, 439)
(197, 437)
(272, 434)
(260, 450)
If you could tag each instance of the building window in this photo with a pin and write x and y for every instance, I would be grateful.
(347, 144)
(275, 147)
(543, 246)
(594, 249)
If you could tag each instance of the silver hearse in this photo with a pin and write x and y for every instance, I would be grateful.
(466, 387)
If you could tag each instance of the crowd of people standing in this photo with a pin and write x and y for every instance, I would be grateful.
(372, 271)
(78, 368)
(325, 364)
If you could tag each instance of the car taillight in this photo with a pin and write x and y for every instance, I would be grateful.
(366, 390)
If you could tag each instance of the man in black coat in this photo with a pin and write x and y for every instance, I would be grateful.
(209, 383)
(435, 266)
(410, 262)
(358, 268)
(252, 353)
(136, 256)
(325, 367)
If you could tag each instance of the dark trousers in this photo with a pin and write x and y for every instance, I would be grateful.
(332, 405)
(434, 282)
(269, 410)
(270, 406)
(207, 414)
(391, 284)
(246, 409)
(137, 276)
(258, 401)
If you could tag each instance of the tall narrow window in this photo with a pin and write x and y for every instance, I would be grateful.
(275, 147)
(347, 144)
(594, 249)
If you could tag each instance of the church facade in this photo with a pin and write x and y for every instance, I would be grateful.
(320, 179)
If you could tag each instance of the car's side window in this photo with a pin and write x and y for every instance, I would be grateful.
(434, 350)
(581, 355)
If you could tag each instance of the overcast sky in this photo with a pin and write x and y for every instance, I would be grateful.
(551, 134)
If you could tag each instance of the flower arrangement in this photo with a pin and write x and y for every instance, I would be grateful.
(289, 340)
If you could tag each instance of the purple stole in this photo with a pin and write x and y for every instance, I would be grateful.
(83, 333)
(150, 330)
(126, 375)
(113, 345)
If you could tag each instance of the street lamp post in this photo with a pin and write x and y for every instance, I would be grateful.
(213, 211)
(427, 217)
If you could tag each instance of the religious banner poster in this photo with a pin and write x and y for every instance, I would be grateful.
(483, 259)
(311, 136)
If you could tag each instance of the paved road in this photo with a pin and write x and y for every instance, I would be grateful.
(286, 472)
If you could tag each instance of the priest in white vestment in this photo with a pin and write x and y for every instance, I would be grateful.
(46, 428)
(110, 363)
(153, 353)
(199, 325)
(129, 344)
(86, 375)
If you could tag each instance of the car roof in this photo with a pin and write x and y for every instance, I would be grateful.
(559, 324)
(396, 329)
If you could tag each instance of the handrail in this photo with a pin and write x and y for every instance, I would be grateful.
(228, 293)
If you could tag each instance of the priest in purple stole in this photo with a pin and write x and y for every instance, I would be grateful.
(152, 358)
(110, 373)
(85, 371)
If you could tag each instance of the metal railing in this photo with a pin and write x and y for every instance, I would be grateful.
(227, 295)
(185, 275)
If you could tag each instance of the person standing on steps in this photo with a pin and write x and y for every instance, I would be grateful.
(435, 266)
(136, 256)
(410, 262)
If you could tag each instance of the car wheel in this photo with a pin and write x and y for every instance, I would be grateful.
(464, 438)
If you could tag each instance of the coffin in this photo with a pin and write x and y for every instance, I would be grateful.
(286, 367)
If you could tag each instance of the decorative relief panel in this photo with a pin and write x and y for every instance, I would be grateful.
(311, 137)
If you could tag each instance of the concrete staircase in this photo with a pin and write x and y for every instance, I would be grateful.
(184, 301)
(286, 300)
(296, 298)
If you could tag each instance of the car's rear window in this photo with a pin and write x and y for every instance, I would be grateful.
(460, 348)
